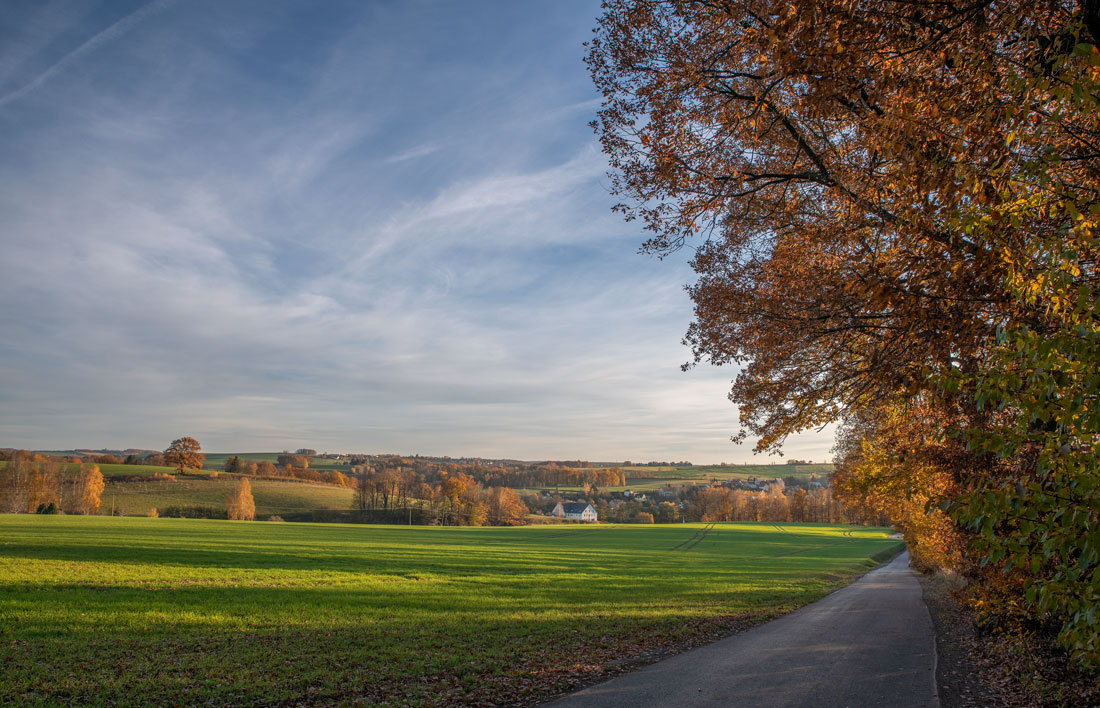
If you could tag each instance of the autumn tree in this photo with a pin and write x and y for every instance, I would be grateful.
(667, 513)
(832, 154)
(293, 460)
(184, 453)
(83, 489)
(239, 505)
(894, 460)
(29, 481)
(504, 507)
(898, 202)
(477, 513)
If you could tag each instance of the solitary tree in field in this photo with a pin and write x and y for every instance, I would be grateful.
(239, 505)
(184, 453)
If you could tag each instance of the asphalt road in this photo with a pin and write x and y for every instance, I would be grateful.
(870, 644)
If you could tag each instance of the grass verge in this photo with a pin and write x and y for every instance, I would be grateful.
(125, 611)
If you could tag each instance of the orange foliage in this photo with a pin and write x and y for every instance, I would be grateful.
(239, 505)
(834, 155)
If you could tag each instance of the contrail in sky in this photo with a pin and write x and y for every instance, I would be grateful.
(115, 30)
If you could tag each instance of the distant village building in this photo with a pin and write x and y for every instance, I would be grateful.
(574, 510)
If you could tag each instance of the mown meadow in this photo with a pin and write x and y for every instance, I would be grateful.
(645, 479)
(271, 496)
(131, 611)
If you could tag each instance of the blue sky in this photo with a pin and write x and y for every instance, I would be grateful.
(363, 226)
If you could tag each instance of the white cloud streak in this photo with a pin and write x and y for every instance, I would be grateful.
(109, 34)
(413, 153)
(288, 278)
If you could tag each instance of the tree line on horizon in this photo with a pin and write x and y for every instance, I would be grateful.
(458, 493)
(31, 483)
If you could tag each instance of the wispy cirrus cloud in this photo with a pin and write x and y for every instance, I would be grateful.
(413, 153)
(357, 227)
(104, 36)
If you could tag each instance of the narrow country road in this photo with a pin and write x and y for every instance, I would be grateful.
(870, 645)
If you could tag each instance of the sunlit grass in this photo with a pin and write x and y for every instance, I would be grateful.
(271, 496)
(657, 477)
(132, 611)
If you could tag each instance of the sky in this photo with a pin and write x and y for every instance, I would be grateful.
(371, 226)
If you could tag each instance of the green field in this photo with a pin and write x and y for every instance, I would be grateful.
(702, 475)
(271, 496)
(125, 611)
(109, 471)
(658, 477)
(216, 460)
(120, 470)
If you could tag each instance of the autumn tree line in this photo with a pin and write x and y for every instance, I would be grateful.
(287, 466)
(777, 503)
(500, 474)
(893, 208)
(31, 483)
(816, 505)
(442, 495)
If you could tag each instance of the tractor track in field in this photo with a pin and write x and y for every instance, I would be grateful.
(845, 534)
(694, 540)
(796, 551)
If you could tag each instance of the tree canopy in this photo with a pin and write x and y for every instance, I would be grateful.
(893, 208)
(855, 169)
(184, 453)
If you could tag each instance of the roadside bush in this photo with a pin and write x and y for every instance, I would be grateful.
(274, 517)
(643, 517)
(152, 513)
(50, 508)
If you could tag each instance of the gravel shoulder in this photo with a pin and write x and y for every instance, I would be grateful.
(979, 670)
(958, 675)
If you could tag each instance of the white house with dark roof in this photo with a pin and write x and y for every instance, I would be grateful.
(574, 510)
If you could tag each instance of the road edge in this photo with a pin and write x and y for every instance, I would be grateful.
(879, 560)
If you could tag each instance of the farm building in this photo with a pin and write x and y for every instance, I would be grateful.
(574, 510)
